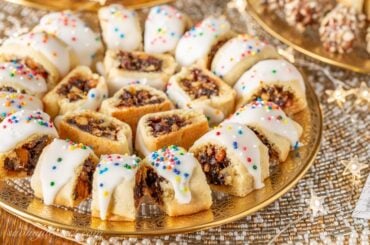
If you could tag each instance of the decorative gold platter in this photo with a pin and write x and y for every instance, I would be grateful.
(308, 43)
(16, 196)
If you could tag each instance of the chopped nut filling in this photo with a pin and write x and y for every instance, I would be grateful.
(165, 125)
(213, 160)
(76, 88)
(148, 183)
(25, 157)
(273, 154)
(197, 85)
(214, 50)
(133, 97)
(10, 90)
(95, 126)
(276, 94)
(144, 63)
(84, 181)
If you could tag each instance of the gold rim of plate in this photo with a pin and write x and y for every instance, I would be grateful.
(307, 43)
(225, 209)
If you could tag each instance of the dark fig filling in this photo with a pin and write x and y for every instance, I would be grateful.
(273, 154)
(148, 184)
(166, 124)
(133, 97)
(276, 94)
(197, 84)
(25, 157)
(11, 90)
(214, 50)
(95, 126)
(213, 160)
(77, 88)
(143, 63)
(84, 181)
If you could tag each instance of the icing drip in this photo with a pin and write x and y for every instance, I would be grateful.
(175, 165)
(20, 75)
(163, 29)
(118, 82)
(74, 32)
(121, 28)
(58, 165)
(53, 49)
(241, 140)
(269, 71)
(13, 102)
(235, 50)
(22, 125)
(94, 98)
(270, 117)
(198, 41)
(111, 171)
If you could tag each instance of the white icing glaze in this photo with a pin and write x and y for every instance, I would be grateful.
(235, 50)
(51, 47)
(163, 29)
(74, 32)
(121, 28)
(22, 125)
(269, 71)
(270, 117)
(240, 139)
(177, 94)
(20, 75)
(13, 102)
(175, 165)
(118, 82)
(58, 163)
(197, 42)
(111, 171)
(94, 98)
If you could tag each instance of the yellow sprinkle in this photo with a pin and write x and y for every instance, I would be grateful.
(106, 193)
(178, 178)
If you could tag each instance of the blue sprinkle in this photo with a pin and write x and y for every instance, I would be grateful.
(186, 175)
(116, 164)
(235, 145)
(101, 184)
(54, 167)
(240, 131)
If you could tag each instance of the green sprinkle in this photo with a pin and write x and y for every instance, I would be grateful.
(59, 159)
(254, 167)
(52, 183)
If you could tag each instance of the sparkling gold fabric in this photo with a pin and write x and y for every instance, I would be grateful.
(346, 133)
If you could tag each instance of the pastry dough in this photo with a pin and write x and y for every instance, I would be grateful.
(120, 28)
(196, 44)
(124, 68)
(80, 89)
(46, 46)
(24, 134)
(64, 172)
(132, 102)
(238, 54)
(277, 131)
(113, 188)
(275, 80)
(73, 31)
(233, 159)
(12, 102)
(105, 134)
(199, 89)
(164, 27)
(160, 129)
(174, 180)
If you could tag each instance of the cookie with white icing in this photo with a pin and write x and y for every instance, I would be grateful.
(125, 68)
(120, 28)
(105, 134)
(273, 127)
(274, 80)
(47, 46)
(12, 102)
(113, 188)
(132, 102)
(74, 32)
(233, 159)
(173, 179)
(16, 77)
(199, 89)
(180, 127)
(238, 54)
(24, 134)
(201, 42)
(164, 27)
(64, 173)
(81, 89)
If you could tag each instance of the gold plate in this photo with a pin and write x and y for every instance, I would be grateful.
(16, 196)
(308, 43)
